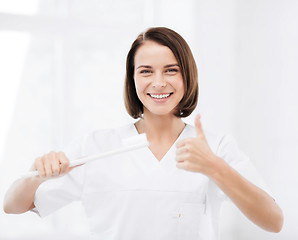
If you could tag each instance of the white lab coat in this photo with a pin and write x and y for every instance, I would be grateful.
(133, 196)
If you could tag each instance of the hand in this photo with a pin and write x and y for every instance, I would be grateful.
(52, 165)
(194, 154)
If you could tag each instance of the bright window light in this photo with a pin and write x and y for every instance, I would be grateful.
(28, 7)
(13, 49)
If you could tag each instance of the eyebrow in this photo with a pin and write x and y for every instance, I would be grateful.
(167, 66)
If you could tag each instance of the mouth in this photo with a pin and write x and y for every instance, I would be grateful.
(160, 95)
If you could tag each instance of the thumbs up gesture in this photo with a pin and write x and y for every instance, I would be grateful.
(194, 154)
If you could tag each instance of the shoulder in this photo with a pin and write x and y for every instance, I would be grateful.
(107, 139)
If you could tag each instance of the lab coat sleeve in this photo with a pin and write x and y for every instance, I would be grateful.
(229, 151)
(56, 193)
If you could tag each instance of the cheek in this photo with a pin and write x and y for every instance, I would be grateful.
(179, 85)
(180, 89)
(139, 85)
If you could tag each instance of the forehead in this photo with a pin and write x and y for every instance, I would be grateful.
(154, 54)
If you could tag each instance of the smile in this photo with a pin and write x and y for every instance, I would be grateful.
(160, 96)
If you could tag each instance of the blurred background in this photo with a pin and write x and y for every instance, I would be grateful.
(62, 66)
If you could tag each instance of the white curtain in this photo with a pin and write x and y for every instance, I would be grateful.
(69, 58)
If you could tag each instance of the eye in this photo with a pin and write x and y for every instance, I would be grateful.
(145, 71)
(172, 70)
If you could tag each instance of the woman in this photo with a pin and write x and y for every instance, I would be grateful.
(171, 190)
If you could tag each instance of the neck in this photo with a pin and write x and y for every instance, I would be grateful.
(160, 128)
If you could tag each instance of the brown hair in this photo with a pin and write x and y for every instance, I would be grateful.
(186, 62)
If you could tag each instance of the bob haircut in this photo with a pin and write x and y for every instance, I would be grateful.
(186, 62)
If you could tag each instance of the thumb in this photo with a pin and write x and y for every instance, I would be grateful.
(198, 125)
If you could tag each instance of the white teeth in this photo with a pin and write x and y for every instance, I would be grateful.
(160, 96)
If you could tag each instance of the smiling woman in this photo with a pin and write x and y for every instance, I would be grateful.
(171, 190)
(161, 82)
(161, 59)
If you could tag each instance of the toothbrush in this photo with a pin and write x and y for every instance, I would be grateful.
(131, 143)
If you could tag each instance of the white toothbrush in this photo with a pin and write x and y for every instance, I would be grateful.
(136, 142)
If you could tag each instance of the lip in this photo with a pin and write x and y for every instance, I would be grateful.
(160, 100)
(160, 93)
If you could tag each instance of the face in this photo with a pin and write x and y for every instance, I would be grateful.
(158, 79)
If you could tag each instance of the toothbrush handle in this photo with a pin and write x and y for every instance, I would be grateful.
(94, 157)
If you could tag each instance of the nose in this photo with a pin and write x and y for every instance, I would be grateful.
(159, 81)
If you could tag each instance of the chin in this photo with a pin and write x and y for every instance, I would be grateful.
(161, 113)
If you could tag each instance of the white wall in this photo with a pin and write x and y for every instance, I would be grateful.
(266, 113)
(74, 54)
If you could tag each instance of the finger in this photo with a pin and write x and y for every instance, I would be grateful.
(55, 166)
(64, 163)
(185, 156)
(183, 165)
(181, 150)
(179, 158)
(198, 125)
(183, 142)
(47, 160)
(39, 166)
